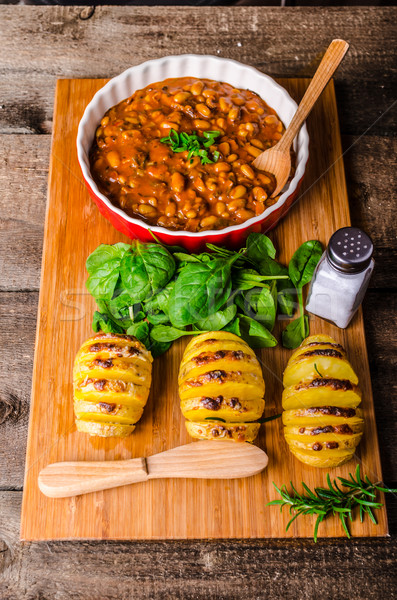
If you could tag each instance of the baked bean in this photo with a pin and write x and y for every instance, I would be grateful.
(257, 143)
(208, 222)
(177, 182)
(224, 147)
(170, 209)
(253, 151)
(238, 192)
(244, 214)
(197, 88)
(147, 211)
(265, 180)
(181, 97)
(147, 179)
(211, 184)
(200, 124)
(199, 184)
(221, 166)
(233, 114)
(224, 105)
(259, 193)
(235, 205)
(203, 110)
(247, 171)
(113, 159)
(220, 208)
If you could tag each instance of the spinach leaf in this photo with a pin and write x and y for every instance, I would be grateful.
(183, 257)
(146, 270)
(245, 279)
(260, 304)
(285, 288)
(141, 332)
(157, 317)
(218, 320)
(160, 300)
(233, 327)
(293, 335)
(255, 334)
(259, 246)
(102, 322)
(303, 262)
(103, 267)
(158, 348)
(167, 333)
(200, 290)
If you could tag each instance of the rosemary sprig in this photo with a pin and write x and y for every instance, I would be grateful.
(194, 144)
(333, 500)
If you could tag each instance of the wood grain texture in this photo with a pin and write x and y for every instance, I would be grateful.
(192, 570)
(168, 509)
(54, 42)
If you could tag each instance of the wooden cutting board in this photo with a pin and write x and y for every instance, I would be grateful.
(171, 509)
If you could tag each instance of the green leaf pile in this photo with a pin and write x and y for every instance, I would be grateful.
(160, 294)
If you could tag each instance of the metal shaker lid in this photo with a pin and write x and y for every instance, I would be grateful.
(350, 250)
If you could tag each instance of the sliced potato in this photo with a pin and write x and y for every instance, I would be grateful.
(238, 432)
(322, 424)
(327, 441)
(104, 429)
(220, 378)
(111, 380)
(102, 411)
(228, 409)
(219, 360)
(226, 383)
(325, 459)
(330, 364)
(321, 392)
(322, 416)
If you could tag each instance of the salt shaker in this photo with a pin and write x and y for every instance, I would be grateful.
(342, 276)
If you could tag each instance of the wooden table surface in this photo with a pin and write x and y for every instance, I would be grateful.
(39, 45)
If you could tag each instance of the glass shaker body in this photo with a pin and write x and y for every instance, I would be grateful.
(341, 277)
(336, 296)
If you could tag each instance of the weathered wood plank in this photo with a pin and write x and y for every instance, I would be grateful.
(41, 44)
(336, 570)
(23, 180)
(18, 312)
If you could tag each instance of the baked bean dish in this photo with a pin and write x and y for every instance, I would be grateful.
(177, 154)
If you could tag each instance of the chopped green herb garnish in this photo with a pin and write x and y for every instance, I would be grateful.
(194, 144)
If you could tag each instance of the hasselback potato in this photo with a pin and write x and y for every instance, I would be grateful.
(322, 424)
(221, 387)
(112, 375)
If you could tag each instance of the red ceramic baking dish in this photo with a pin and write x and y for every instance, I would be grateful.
(209, 67)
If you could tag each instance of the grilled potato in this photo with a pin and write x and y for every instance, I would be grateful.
(220, 378)
(239, 432)
(111, 380)
(322, 424)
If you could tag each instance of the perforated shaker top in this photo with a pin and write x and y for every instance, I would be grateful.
(350, 250)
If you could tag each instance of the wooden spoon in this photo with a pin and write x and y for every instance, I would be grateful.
(200, 460)
(277, 160)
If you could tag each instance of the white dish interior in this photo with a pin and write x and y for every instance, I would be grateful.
(209, 67)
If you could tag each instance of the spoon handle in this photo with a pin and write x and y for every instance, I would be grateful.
(331, 60)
